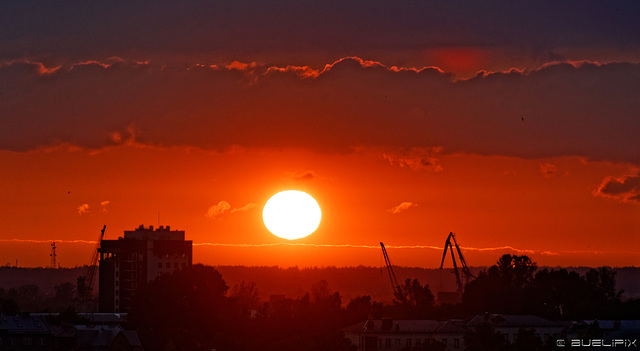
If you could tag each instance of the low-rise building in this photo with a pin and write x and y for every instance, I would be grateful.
(24, 332)
(393, 335)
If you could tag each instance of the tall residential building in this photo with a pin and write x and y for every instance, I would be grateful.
(138, 257)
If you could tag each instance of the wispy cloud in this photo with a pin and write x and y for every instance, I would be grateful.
(505, 248)
(308, 175)
(498, 249)
(33, 241)
(402, 207)
(224, 207)
(104, 205)
(83, 209)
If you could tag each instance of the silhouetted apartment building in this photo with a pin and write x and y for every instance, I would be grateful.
(140, 256)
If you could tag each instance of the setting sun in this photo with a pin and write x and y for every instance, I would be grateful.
(291, 214)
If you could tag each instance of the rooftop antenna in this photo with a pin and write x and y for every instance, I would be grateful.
(53, 255)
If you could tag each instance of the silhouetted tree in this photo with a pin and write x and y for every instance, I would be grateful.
(9, 307)
(560, 294)
(502, 288)
(246, 297)
(414, 300)
(309, 323)
(360, 308)
(186, 308)
(516, 271)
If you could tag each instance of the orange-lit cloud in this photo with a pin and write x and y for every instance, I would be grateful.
(104, 205)
(83, 209)
(351, 103)
(402, 207)
(218, 210)
(308, 175)
(224, 207)
(626, 188)
(416, 159)
(506, 248)
(548, 169)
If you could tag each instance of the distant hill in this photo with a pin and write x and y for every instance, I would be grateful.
(293, 282)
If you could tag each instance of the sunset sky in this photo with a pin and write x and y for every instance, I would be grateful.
(514, 124)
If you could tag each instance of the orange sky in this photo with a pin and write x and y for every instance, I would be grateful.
(514, 125)
(490, 202)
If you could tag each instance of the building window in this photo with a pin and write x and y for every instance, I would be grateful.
(42, 342)
(175, 265)
(408, 342)
(397, 342)
(168, 265)
(26, 341)
(159, 265)
(387, 343)
(444, 341)
(456, 343)
(184, 264)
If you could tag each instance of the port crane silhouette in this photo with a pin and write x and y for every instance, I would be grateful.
(465, 269)
(392, 276)
(85, 282)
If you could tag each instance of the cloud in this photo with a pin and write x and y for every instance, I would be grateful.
(83, 209)
(223, 207)
(104, 205)
(308, 175)
(625, 189)
(548, 169)
(211, 29)
(217, 210)
(246, 207)
(402, 207)
(570, 109)
(416, 159)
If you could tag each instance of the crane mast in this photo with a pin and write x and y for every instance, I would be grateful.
(85, 282)
(392, 275)
(465, 269)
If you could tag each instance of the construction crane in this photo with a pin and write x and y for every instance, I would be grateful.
(85, 282)
(392, 276)
(465, 269)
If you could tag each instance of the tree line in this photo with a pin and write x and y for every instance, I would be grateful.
(196, 310)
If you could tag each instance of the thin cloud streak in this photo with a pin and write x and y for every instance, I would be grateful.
(429, 247)
(354, 246)
(33, 241)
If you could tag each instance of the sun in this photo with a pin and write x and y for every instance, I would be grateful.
(291, 214)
